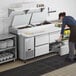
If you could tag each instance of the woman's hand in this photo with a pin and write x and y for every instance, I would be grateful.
(60, 38)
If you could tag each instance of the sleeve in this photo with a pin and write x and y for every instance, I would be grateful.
(63, 27)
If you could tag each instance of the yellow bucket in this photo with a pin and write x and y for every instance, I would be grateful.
(66, 32)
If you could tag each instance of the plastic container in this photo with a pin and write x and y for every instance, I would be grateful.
(10, 43)
(3, 44)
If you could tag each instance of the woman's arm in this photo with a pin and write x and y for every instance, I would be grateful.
(62, 30)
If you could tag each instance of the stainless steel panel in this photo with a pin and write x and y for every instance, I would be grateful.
(42, 39)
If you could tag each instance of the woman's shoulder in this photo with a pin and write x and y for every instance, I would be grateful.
(68, 17)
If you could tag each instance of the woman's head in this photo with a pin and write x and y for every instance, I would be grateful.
(62, 15)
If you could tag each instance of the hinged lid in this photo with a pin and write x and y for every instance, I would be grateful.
(20, 17)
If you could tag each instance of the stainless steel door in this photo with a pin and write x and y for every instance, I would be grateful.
(29, 48)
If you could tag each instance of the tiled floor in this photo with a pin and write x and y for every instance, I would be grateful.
(10, 65)
(65, 71)
(17, 63)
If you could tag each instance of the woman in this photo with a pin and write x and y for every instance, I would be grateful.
(71, 22)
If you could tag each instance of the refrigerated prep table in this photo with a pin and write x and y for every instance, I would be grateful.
(34, 41)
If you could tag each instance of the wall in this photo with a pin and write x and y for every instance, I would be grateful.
(62, 5)
(58, 5)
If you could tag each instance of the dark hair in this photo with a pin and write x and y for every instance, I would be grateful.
(62, 14)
